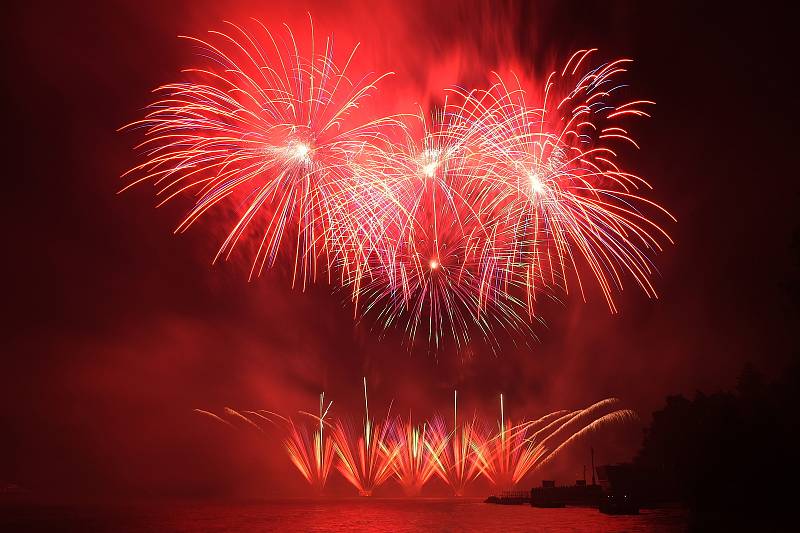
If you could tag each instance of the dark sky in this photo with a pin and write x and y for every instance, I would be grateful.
(116, 329)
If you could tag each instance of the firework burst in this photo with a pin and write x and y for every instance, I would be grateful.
(551, 182)
(449, 225)
(268, 132)
(434, 273)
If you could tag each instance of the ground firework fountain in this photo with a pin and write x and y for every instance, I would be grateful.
(412, 453)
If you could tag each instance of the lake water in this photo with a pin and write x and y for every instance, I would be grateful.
(390, 516)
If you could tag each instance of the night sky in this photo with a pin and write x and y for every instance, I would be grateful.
(115, 329)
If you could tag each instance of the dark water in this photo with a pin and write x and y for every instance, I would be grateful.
(390, 516)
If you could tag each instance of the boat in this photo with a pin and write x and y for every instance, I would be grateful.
(620, 489)
(509, 498)
(619, 504)
(551, 496)
(547, 503)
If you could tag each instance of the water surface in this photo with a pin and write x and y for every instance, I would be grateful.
(374, 515)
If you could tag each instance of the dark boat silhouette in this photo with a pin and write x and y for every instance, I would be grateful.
(619, 503)
(580, 494)
(620, 494)
(509, 498)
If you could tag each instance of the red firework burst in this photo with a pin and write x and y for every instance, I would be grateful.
(449, 228)
(267, 131)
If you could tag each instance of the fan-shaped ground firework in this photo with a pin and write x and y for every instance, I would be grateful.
(413, 453)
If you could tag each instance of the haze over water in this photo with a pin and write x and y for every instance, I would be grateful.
(352, 515)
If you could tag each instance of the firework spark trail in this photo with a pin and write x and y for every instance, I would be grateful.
(311, 452)
(239, 416)
(505, 457)
(312, 455)
(214, 417)
(552, 434)
(452, 451)
(616, 417)
(365, 460)
(569, 422)
(450, 224)
(415, 462)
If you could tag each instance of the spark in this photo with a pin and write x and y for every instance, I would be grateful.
(301, 152)
(536, 184)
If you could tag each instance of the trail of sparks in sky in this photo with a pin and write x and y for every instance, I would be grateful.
(412, 454)
(448, 225)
